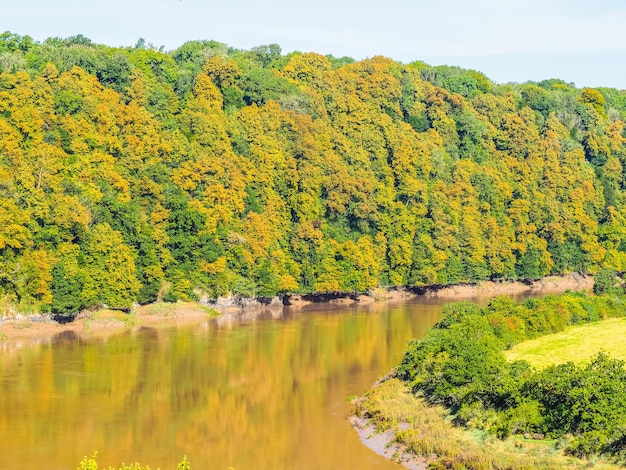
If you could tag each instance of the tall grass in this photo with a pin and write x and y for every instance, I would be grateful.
(175, 308)
(107, 316)
(431, 434)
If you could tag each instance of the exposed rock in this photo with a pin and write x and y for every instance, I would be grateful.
(236, 304)
(550, 284)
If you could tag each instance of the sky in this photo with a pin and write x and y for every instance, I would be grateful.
(578, 41)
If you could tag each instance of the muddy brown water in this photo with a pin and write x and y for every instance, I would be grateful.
(270, 393)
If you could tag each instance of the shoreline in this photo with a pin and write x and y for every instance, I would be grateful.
(403, 428)
(463, 291)
(35, 329)
(38, 329)
(385, 443)
(393, 419)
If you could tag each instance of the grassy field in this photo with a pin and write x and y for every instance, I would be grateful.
(576, 343)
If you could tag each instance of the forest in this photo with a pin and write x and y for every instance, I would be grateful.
(134, 174)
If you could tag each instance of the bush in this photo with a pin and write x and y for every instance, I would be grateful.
(170, 296)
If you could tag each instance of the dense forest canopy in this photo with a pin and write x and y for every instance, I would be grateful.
(131, 174)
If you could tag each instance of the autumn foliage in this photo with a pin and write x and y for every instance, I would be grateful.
(130, 174)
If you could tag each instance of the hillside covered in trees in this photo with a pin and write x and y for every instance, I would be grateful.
(128, 174)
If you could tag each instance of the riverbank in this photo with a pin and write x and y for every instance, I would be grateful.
(35, 329)
(488, 396)
(41, 328)
(404, 428)
(544, 286)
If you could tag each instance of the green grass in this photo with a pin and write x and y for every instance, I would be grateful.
(175, 308)
(431, 434)
(577, 344)
(22, 324)
(113, 316)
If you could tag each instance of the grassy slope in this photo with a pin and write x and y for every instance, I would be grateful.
(430, 434)
(576, 343)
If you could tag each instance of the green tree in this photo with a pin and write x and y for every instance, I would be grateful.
(110, 269)
(605, 281)
(67, 291)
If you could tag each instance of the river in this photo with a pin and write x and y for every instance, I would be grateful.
(270, 393)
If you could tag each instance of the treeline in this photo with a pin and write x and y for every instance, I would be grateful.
(460, 364)
(131, 174)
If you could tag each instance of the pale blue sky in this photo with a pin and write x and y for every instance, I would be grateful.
(579, 41)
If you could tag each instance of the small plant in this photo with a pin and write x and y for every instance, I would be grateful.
(210, 311)
(3, 336)
(21, 325)
(115, 316)
(132, 466)
(90, 463)
(184, 465)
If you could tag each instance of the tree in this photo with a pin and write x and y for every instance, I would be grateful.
(67, 291)
(605, 281)
(110, 269)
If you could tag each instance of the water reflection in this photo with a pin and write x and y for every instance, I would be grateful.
(238, 392)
